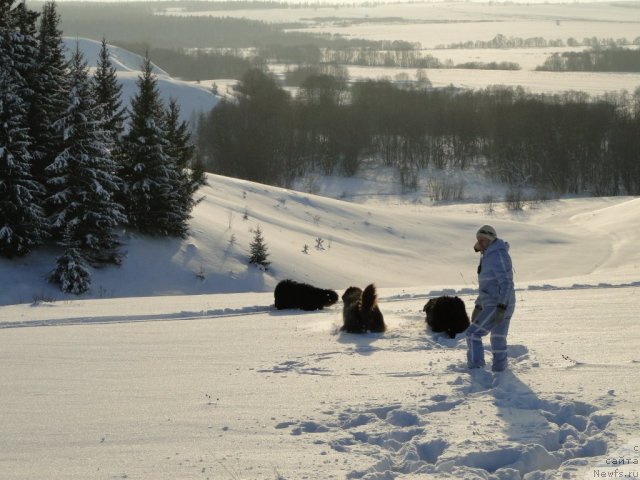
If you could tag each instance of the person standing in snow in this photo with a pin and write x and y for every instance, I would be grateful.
(495, 303)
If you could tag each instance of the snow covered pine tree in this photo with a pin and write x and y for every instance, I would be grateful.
(84, 184)
(22, 221)
(259, 250)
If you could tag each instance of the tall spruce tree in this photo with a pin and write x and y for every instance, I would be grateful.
(49, 100)
(22, 221)
(181, 152)
(24, 22)
(108, 96)
(83, 176)
(154, 203)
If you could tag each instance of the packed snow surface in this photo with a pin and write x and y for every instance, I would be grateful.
(176, 365)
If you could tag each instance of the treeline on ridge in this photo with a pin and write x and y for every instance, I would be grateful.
(613, 59)
(502, 41)
(569, 143)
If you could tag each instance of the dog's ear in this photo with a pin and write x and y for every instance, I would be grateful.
(429, 305)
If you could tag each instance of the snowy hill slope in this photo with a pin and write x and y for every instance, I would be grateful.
(562, 242)
(192, 98)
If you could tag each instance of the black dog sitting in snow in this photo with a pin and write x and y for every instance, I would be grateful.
(446, 314)
(360, 313)
(292, 294)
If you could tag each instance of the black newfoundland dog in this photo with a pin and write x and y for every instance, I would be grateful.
(292, 294)
(360, 313)
(446, 314)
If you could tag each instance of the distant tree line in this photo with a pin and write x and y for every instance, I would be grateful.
(382, 54)
(75, 166)
(502, 41)
(199, 5)
(594, 60)
(562, 143)
(202, 64)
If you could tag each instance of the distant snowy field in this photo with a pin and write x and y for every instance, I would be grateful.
(176, 365)
(442, 23)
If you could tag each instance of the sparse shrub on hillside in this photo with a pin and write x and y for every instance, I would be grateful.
(200, 274)
(41, 297)
(444, 189)
(515, 200)
(543, 195)
(408, 179)
(489, 204)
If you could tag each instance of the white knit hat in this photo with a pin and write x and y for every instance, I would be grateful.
(488, 232)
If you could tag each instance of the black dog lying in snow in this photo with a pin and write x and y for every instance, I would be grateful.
(292, 294)
(446, 314)
(360, 313)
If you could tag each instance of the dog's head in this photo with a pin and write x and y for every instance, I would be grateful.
(331, 297)
(351, 294)
(428, 307)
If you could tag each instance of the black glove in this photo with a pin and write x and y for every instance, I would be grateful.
(500, 311)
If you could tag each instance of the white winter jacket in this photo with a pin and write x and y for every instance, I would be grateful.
(495, 276)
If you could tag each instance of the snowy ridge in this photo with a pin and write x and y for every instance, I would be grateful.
(122, 60)
(192, 97)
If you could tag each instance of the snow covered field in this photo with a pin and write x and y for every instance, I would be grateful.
(176, 365)
(165, 384)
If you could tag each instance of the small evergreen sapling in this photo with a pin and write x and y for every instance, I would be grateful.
(259, 250)
(71, 272)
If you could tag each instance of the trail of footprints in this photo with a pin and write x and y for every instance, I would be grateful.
(487, 426)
